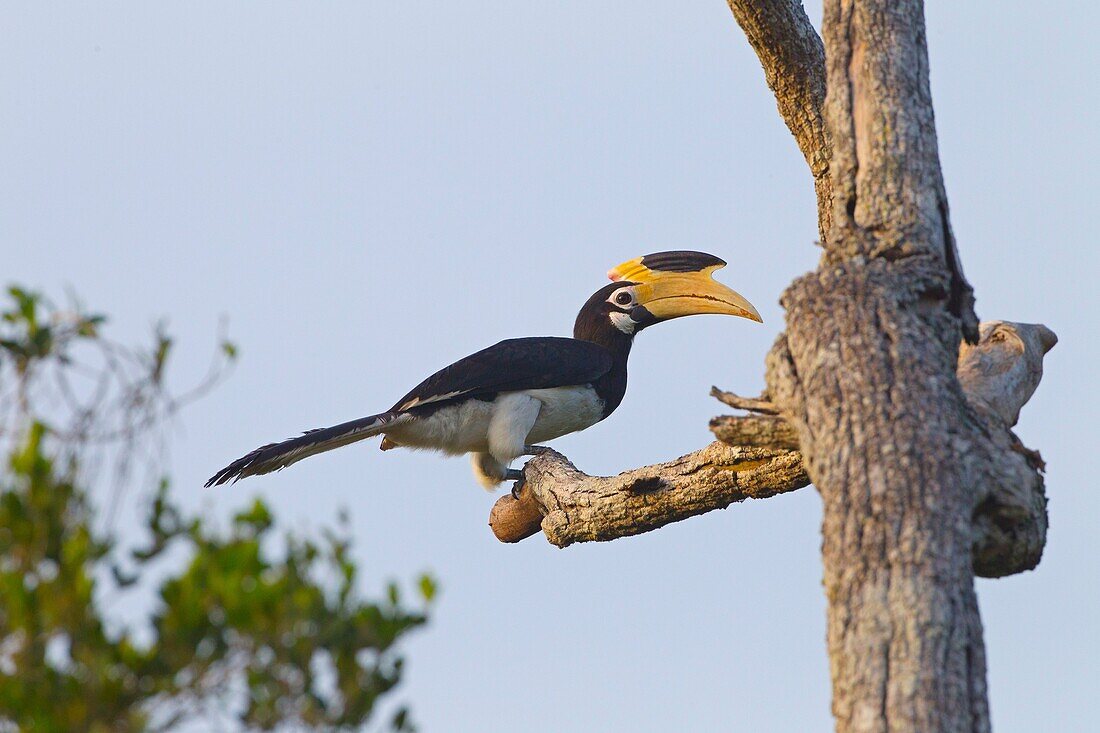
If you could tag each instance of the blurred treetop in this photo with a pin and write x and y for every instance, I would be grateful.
(263, 628)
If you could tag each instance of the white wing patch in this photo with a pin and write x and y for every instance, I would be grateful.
(417, 401)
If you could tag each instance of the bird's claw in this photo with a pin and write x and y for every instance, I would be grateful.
(514, 474)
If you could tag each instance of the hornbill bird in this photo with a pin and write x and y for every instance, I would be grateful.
(499, 403)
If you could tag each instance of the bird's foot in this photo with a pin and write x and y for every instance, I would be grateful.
(535, 450)
(514, 474)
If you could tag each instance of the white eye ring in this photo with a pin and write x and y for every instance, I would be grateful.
(623, 298)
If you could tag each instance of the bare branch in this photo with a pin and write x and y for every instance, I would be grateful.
(583, 508)
(760, 432)
(516, 517)
(760, 404)
(793, 58)
(757, 457)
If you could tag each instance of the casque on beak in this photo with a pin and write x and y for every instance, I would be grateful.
(674, 284)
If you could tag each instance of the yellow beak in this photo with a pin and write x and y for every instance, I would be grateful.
(667, 288)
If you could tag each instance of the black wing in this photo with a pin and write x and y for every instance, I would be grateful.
(537, 362)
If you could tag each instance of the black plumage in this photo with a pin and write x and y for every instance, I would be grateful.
(681, 261)
(300, 447)
(536, 362)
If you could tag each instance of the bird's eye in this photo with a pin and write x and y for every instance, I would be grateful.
(624, 298)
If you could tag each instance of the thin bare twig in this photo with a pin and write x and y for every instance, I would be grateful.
(761, 405)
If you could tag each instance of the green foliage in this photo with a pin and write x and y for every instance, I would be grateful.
(30, 335)
(268, 628)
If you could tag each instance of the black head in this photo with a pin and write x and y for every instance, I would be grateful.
(612, 315)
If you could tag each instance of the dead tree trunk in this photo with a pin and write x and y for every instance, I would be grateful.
(907, 440)
(866, 374)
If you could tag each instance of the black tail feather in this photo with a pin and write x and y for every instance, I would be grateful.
(275, 456)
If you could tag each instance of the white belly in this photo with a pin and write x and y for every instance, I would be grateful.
(465, 427)
(564, 410)
(456, 429)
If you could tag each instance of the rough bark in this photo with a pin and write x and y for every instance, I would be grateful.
(762, 432)
(866, 374)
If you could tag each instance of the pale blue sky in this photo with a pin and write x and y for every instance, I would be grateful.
(370, 190)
